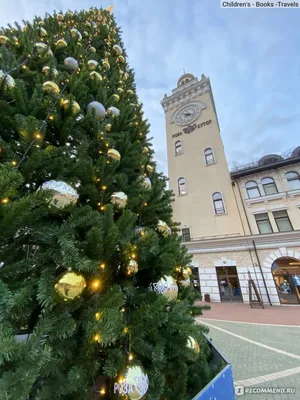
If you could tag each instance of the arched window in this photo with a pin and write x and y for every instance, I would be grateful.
(293, 180)
(218, 203)
(252, 189)
(269, 186)
(182, 186)
(178, 148)
(209, 156)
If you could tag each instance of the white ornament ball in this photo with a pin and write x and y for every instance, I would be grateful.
(43, 48)
(46, 70)
(118, 49)
(98, 109)
(63, 194)
(8, 80)
(43, 32)
(163, 228)
(114, 111)
(93, 64)
(119, 198)
(71, 63)
(76, 34)
(167, 286)
(147, 183)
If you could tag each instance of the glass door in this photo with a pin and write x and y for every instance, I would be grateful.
(229, 285)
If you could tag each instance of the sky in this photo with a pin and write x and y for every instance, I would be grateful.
(251, 56)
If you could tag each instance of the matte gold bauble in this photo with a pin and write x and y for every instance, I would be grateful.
(106, 65)
(114, 154)
(134, 385)
(95, 75)
(51, 87)
(132, 267)
(61, 43)
(4, 39)
(92, 64)
(70, 285)
(193, 345)
(119, 198)
(167, 286)
(9, 81)
(163, 228)
(63, 194)
(75, 106)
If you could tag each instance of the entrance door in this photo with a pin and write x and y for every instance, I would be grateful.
(286, 273)
(229, 284)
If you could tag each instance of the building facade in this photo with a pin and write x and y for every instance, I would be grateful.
(237, 225)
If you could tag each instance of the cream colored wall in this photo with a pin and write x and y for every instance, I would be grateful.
(285, 199)
(195, 210)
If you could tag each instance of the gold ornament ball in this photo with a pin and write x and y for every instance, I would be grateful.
(116, 97)
(106, 65)
(70, 285)
(114, 154)
(134, 385)
(126, 75)
(93, 50)
(95, 75)
(4, 39)
(185, 273)
(85, 34)
(129, 91)
(120, 90)
(43, 48)
(46, 70)
(145, 150)
(108, 127)
(163, 228)
(121, 59)
(43, 32)
(150, 168)
(167, 286)
(193, 345)
(60, 17)
(61, 43)
(189, 271)
(51, 87)
(75, 106)
(92, 64)
(69, 14)
(186, 282)
(118, 49)
(132, 267)
(119, 198)
(76, 34)
(63, 194)
(9, 81)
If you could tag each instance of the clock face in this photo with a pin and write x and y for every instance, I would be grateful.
(188, 114)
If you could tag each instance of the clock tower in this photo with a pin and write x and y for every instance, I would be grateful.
(205, 204)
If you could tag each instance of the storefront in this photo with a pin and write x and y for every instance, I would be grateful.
(286, 273)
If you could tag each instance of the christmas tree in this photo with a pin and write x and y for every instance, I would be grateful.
(95, 297)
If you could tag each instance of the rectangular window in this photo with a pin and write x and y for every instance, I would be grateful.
(282, 221)
(186, 235)
(252, 193)
(263, 223)
(219, 207)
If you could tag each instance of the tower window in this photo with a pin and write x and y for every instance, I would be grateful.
(182, 186)
(293, 180)
(218, 203)
(252, 189)
(178, 148)
(269, 186)
(186, 235)
(209, 156)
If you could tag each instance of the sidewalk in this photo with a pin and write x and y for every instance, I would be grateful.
(240, 312)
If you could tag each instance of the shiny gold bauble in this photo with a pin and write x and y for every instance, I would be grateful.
(95, 75)
(132, 267)
(9, 81)
(69, 14)
(51, 87)
(85, 34)
(108, 127)
(43, 32)
(46, 70)
(106, 65)
(163, 228)
(119, 198)
(76, 34)
(92, 49)
(186, 282)
(61, 43)
(185, 273)
(167, 286)
(116, 97)
(189, 271)
(75, 106)
(70, 285)
(4, 39)
(120, 90)
(193, 345)
(129, 91)
(126, 75)
(114, 154)
(121, 59)
(150, 168)
(60, 17)
(118, 49)
(134, 385)
(43, 48)
(63, 194)
(145, 150)
(92, 64)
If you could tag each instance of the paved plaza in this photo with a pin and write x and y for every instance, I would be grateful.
(262, 355)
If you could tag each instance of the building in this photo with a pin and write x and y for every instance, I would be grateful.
(236, 223)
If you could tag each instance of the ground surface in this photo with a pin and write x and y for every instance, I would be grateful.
(263, 354)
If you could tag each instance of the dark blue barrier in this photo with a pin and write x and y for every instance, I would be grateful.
(222, 386)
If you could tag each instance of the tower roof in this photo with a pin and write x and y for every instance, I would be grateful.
(185, 78)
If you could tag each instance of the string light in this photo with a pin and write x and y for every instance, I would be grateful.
(130, 357)
(38, 135)
(4, 201)
(102, 391)
(133, 255)
(126, 329)
(98, 316)
(14, 163)
(102, 208)
(102, 265)
(96, 284)
(97, 338)
(104, 187)
(51, 117)
(122, 309)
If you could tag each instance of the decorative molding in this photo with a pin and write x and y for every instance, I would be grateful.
(225, 262)
(196, 106)
(293, 193)
(266, 199)
(283, 253)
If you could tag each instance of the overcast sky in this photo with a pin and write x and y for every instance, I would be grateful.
(251, 56)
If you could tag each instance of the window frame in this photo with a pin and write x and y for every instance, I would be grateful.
(268, 219)
(217, 200)
(179, 191)
(286, 217)
(268, 184)
(210, 154)
(181, 147)
(297, 178)
(184, 234)
(256, 187)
